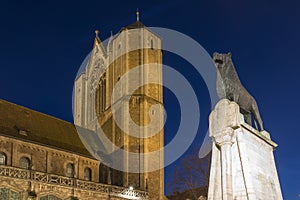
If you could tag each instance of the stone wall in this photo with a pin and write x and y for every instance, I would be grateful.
(47, 159)
(47, 174)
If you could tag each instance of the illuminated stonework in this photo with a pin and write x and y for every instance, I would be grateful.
(49, 161)
(242, 165)
(133, 46)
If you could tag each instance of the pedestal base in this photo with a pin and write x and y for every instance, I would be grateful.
(242, 165)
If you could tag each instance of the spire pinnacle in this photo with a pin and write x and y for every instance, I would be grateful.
(97, 39)
(137, 15)
(97, 32)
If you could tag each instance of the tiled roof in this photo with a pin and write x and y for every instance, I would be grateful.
(134, 25)
(32, 126)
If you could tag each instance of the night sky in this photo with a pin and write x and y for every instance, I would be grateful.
(43, 43)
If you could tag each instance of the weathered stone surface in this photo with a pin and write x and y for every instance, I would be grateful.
(226, 114)
(242, 165)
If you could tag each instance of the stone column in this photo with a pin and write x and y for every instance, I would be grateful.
(224, 140)
(222, 122)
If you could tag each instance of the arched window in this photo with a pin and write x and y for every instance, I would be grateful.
(70, 170)
(2, 158)
(25, 163)
(87, 174)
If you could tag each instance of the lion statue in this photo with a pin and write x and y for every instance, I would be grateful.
(230, 87)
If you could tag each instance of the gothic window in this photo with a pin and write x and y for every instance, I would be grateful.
(70, 170)
(99, 98)
(9, 194)
(25, 163)
(103, 173)
(103, 95)
(97, 101)
(151, 44)
(2, 158)
(93, 105)
(117, 177)
(50, 197)
(87, 174)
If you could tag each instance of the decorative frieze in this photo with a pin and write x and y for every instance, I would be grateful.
(44, 183)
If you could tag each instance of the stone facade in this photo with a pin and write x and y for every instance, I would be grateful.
(242, 166)
(47, 174)
(95, 104)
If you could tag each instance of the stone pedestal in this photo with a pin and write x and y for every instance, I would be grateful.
(242, 164)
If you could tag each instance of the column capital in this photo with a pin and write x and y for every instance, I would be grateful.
(226, 114)
(226, 136)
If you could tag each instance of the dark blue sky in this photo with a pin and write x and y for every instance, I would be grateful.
(42, 44)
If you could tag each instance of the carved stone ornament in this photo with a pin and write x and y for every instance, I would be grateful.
(225, 137)
(226, 114)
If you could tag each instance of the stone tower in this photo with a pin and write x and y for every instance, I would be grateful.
(95, 105)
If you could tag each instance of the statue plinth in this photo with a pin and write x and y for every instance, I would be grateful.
(242, 164)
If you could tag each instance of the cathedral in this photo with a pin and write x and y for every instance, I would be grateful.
(42, 157)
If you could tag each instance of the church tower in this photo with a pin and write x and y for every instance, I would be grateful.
(98, 98)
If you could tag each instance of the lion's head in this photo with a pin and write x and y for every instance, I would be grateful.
(221, 59)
